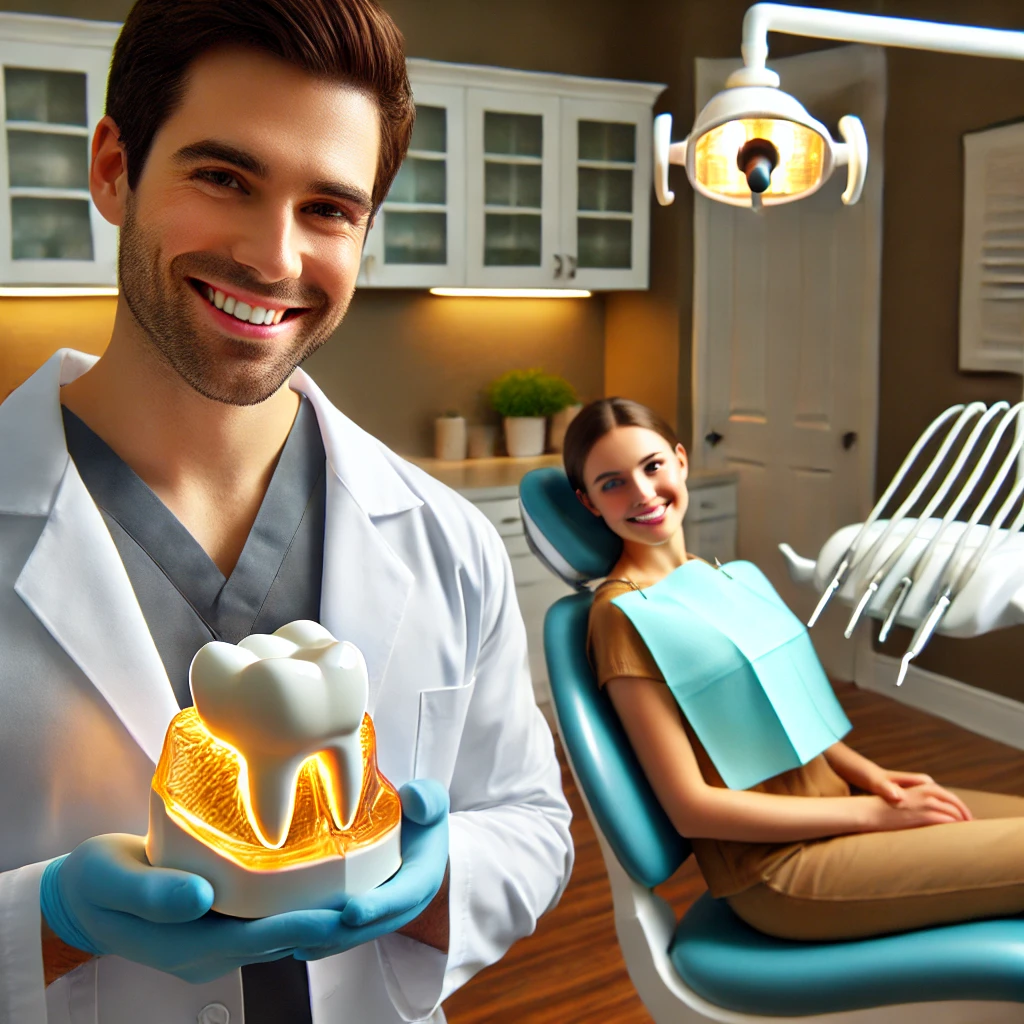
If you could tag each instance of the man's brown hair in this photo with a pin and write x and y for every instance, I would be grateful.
(352, 41)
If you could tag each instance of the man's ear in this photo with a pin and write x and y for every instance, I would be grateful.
(108, 172)
(582, 498)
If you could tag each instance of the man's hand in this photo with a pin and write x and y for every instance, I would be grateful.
(104, 897)
(411, 890)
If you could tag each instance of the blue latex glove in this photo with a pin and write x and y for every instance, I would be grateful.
(408, 892)
(104, 897)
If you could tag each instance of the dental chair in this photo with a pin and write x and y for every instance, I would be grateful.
(710, 966)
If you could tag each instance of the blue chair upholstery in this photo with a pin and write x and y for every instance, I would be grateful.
(714, 953)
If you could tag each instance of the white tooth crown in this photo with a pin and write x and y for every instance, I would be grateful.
(279, 699)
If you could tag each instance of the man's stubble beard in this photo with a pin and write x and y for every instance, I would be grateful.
(225, 369)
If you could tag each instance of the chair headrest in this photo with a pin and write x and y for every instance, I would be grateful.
(572, 542)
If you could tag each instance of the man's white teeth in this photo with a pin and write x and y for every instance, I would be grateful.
(278, 700)
(242, 310)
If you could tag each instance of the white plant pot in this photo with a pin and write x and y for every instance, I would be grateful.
(450, 438)
(524, 435)
(559, 425)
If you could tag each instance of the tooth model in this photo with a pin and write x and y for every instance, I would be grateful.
(268, 786)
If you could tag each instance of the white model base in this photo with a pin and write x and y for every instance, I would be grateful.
(240, 892)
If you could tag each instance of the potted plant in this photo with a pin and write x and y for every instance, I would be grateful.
(450, 436)
(524, 399)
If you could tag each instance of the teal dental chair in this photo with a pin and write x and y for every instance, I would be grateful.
(710, 966)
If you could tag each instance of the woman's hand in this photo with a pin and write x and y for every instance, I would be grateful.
(895, 786)
(923, 804)
(891, 785)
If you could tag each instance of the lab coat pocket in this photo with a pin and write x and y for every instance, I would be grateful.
(442, 716)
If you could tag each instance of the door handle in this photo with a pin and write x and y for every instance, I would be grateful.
(573, 264)
(849, 439)
(558, 265)
(713, 438)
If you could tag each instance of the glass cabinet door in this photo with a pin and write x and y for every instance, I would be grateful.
(512, 190)
(417, 238)
(51, 98)
(606, 156)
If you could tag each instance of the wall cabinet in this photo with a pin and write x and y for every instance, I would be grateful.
(534, 180)
(53, 76)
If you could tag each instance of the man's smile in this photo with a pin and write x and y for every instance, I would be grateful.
(265, 312)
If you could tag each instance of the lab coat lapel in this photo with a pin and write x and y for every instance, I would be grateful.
(366, 585)
(74, 581)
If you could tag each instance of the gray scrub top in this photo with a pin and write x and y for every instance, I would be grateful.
(187, 602)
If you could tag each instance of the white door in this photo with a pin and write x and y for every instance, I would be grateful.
(786, 310)
(512, 189)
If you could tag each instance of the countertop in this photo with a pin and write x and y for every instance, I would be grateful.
(479, 478)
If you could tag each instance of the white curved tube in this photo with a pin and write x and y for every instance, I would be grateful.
(954, 582)
(850, 557)
(914, 573)
(872, 28)
(911, 500)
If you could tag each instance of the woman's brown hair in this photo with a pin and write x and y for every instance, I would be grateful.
(599, 418)
(352, 41)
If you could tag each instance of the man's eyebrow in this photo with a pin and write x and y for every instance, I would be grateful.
(343, 193)
(211, 149)
(617, 472)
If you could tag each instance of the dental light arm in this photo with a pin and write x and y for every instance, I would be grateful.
(754, 145)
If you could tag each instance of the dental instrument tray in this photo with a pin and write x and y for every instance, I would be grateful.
(268, 787)
(949, 558)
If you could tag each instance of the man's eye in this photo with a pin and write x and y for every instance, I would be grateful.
(222, 178)
(329, 211)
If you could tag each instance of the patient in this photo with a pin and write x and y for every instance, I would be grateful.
(835, 847)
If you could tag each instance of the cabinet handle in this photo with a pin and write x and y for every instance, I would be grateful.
(511, 519)
(558, 265)
(573, 263)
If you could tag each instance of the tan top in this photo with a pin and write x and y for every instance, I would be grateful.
(616, 649)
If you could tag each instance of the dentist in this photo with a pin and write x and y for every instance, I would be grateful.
(193, 484)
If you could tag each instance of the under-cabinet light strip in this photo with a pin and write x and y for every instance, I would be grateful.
(513, 293)
(54, 292)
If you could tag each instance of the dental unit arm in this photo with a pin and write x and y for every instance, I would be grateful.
(935, 575)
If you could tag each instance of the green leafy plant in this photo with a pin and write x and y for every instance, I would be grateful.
(530, 393)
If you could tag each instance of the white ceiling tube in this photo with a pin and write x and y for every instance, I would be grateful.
(754, 145)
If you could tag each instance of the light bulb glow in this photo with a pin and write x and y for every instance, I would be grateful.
(801, 157)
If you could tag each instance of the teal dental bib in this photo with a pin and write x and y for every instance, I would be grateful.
(741, 666)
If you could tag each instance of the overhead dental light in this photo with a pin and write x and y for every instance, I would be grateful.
(754, 145)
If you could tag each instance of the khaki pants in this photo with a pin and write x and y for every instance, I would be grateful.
(850, 887)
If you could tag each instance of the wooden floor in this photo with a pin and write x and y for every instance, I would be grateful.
(570, 969)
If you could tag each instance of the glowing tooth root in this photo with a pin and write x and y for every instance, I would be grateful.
(279, 700)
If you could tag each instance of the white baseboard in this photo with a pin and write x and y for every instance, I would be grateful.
(987, 714)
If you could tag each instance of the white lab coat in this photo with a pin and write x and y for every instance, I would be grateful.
(413, 575)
